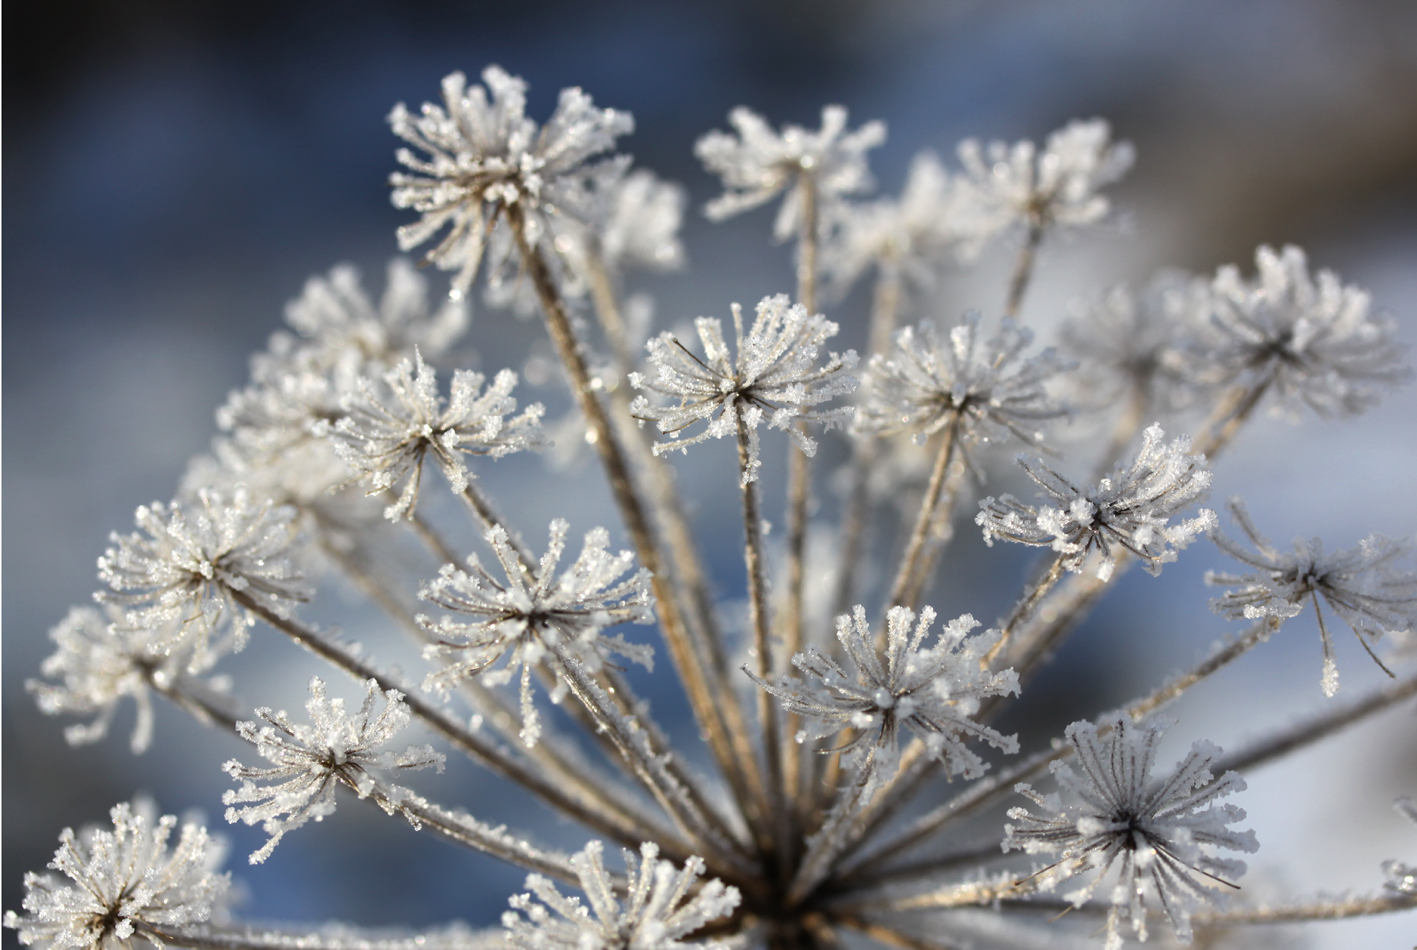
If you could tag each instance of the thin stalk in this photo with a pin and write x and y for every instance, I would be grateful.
(432, 539)
(607, 308)
(1340, 909)
(1029, 602)
(1320, 727)
(828, 841)
(758, 621)
(1229, 653)
(211, 938)
(191, 695)
(909, 579)
(1230, 414)
(483, 510)
(1023, 268)
(1128, 424)
(967, 894)
(721, 723)
(887, 935)
(451, 729)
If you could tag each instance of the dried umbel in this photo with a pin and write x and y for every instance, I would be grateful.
(831, 793)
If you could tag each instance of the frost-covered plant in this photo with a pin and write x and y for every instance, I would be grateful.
(854, 802)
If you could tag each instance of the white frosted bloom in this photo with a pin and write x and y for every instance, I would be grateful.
(758, 163)
(1132, 509)
(1402, 878)
(1131, 345)
(1161, 833)
(1359, 584)
(913, 234)
(100, 663)
(925, 382)
(534, 612)
(774, 377)
(126, 883)
(1006, 186)
(657, 907)
(195, 567)
(387, 439)
(1311, 339)
(642, 229)
(483, 156)
(311, 761)
(931, 691)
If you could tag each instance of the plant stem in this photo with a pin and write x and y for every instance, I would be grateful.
(1023, 268)
(485, 513)
(721, 723)
(1032, 596)
(910, 577)
(1340, 909)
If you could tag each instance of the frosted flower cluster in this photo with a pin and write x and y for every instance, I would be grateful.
(655, 909)
(310, 761)
(483, 158)
(642, 229)
(1008, 186)
(775, 378)
(931, 691)
(985, 386)
(1402, 878)
(126, 885)
(535, 612)
(1311, 339)
(1361, 585)
(386, 438)
(758, 163)
(203, 570)
(1159, 833)
(1131, 510)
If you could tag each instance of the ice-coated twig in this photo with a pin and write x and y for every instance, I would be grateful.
(327, 937)
(1360, 585)
(122, 882)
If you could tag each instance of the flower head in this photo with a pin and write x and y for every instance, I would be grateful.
(661, 906)
(1402, 878)
(100, 662)
(1157, 828)
(386, 440)
(642, 229)
(1131, 510)
(932, 691)
(205, 570)
(925, 383)
(1312, 340)
(1359, 584)
(535, 612)
(1007, 186)
(127, 884)
(758, 163)
(775, 375)
(483, 156)
(335, 749)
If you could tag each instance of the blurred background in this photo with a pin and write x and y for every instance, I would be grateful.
(174, 171)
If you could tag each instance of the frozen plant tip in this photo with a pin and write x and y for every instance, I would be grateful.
(1131, 510)
(1359, 584)
(127, 885)
(1161, 831)
(931, 691)
(204, 570)
(387, 440)
(758, 163)
(483, 159)
(311, 761)
(775, 376)
(535, 612)
(655, 909)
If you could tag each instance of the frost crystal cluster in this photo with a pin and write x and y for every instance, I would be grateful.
(850, 778)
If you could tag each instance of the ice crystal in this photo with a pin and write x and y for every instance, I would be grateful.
(535, 612)
(1402, 878)
(1132, 509)
(931, 691)
(775, 376)
(128, 886)
(484, 157)
(100, 662)
(387, 439)
(925, 383)
(758, 163)
(1008, 186)
(913, 235)
(660, 906)
(1359, 584)
(1130, 345)
(1313, 340)
(204, 570)
(1157, 828)
(310, 762)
